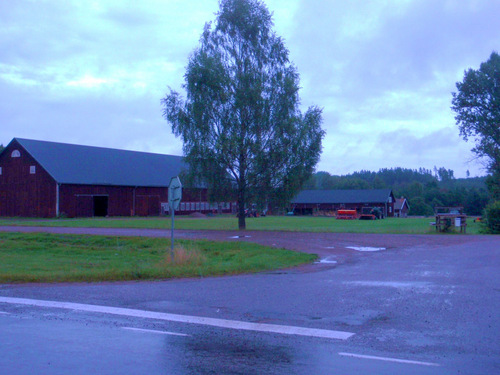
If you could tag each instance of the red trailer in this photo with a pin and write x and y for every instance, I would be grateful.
(347, 214)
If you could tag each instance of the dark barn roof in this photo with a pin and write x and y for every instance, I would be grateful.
(342, 196)
(87, 165)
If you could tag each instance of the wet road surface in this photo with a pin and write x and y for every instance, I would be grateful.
(427, 306)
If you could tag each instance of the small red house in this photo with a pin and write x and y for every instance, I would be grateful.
(401, 208)
(49, 179)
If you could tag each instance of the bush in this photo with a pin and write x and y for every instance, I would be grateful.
(492, 217)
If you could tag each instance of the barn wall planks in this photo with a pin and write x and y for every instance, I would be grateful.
(26, 189)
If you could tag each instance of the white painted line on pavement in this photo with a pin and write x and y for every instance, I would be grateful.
(214, 322)
(388, 359)
(154, 331)
(5, 313)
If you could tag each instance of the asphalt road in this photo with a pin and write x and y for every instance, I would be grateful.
(424, 305)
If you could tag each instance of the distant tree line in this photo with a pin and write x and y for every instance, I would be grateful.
(423, 188)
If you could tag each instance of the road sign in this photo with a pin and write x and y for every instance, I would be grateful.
(174, 193)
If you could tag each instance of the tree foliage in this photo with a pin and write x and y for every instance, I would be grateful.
(477, 107)
(493, 183)
(240, 122)
(492, 217)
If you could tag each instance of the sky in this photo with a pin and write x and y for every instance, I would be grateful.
(94, 73)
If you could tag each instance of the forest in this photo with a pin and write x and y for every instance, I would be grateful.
(423, 188)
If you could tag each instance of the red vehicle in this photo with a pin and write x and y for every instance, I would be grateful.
(347, 214)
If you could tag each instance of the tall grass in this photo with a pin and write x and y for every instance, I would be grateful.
(183, 255)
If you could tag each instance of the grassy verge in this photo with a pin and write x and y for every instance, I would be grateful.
(36, 257)
(281, 223)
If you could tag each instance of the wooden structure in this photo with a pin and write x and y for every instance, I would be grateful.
(48, 179)
(401, 207)
(318, 202)
(450, 217)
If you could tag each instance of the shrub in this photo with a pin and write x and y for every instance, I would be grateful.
(492, 217)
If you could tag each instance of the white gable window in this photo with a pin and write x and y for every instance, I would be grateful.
(15, 154)
(32, 169)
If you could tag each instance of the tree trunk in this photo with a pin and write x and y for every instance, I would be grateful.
(242, 187)
(241, 209)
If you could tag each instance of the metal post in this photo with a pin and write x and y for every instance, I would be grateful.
(174, 197)
(172, 235)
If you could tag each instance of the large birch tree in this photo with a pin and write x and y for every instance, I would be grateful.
(241, 117)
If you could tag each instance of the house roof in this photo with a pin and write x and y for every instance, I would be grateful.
(87, 165)
(400, 203)
(342, 196)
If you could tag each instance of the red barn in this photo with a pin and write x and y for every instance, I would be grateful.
(49, 179)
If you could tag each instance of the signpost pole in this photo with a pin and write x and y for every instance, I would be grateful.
(172, 235)
(174, 198)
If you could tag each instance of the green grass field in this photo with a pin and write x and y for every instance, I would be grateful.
(42, 257)
(279, 223)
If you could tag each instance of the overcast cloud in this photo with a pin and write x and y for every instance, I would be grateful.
(94, 72)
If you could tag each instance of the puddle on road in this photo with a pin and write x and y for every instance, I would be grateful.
(327, 260)
(365, 248)
(392, 284)
(240, 237)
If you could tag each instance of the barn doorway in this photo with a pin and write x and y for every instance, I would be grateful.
(100, 205)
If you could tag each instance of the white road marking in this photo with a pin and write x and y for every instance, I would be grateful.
(214, 322)
(154, 331)
(5, 313)
(389, 359)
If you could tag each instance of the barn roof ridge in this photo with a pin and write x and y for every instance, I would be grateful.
(91, 165)
(89, 146)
